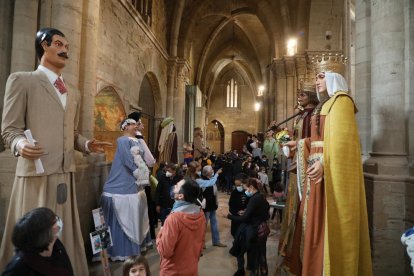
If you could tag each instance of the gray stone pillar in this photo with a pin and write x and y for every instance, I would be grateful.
(45, 17)
(17, 40)
(6, 29)
(363, 73)
(386, 171)
(291, 98)
(88, 66)
(171, 86)
(179, 105)
(388, 127)
(280, 99)
(67, 17)
(24, 33)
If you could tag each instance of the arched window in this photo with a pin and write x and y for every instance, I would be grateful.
(144, 7)
(232, 94)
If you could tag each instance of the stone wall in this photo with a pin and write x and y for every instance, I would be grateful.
(325, 16)
(244, 118)
(127, 51)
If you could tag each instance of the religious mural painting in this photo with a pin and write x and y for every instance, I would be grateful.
(108, 114)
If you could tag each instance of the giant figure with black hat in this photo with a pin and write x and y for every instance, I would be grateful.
(42, 102)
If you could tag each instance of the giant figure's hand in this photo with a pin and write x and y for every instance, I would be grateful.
(98, 146)
(291, 145)
(29, 151)
(315, 172)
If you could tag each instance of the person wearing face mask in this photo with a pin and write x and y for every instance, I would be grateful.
(207, 183)
(333, 205)
(180, 241)
(164, 197)
(256, 213)
(237, 205)
(39, 250)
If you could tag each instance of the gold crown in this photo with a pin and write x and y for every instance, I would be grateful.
(306, 85)
(330, 63)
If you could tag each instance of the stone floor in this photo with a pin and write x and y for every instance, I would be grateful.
(215, 260)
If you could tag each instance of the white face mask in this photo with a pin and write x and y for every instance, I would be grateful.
(239, 188)
(59, 223)
(168, 174)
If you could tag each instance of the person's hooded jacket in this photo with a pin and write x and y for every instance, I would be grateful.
(181, 240)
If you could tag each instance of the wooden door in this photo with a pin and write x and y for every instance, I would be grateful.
(238, 140)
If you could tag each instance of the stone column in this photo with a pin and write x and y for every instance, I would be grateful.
(179, 105)
(67, 17)
(387, 82)
(45, 17)
(171, 85)
(363, 73)
(6, 19)
(386, 171)
(301, 65)
(24, 34)
(280, 99)
(291, 98)
(17, 41)
(88, 66)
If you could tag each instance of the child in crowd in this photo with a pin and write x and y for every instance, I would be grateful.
(264, 179)
(237, 205)
(279, 197)
(136, 266)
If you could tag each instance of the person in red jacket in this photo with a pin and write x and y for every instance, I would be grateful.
(181, 239)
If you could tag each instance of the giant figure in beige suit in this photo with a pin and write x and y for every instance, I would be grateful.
(39, 101)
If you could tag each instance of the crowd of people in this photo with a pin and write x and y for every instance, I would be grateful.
(324, 227)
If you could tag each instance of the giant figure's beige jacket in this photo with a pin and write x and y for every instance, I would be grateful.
(31, 102)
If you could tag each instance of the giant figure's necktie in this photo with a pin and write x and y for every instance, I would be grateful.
(60, 85)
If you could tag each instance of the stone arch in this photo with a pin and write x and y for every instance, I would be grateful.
(156, 92)
(150, 105)
(109, 111)
(215, 136)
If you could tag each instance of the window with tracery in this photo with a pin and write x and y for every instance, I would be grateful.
(144, 8)
(232, 94)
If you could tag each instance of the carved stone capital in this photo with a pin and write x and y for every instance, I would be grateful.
(290, 66)
(278, 67)
(301, 66)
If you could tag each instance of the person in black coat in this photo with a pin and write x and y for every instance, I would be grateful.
(237, 205)
(164, 196)
(257, 212)
(38, 248)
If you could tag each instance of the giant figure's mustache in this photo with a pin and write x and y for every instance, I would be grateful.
(63, 54)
